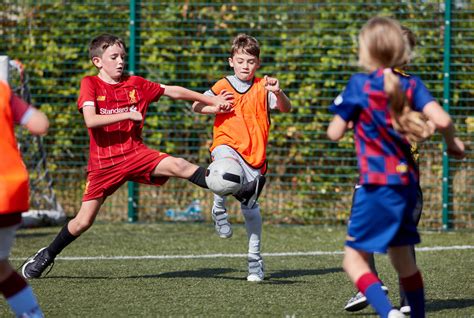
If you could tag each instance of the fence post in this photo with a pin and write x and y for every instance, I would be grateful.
(133, 195)
(447, 199)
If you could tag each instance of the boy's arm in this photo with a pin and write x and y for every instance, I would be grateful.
(38, 123)
(282, 101)
(202, 108)
(178, 92)
(443, 123)
(31, 118)
(94, 120)
(337, 128)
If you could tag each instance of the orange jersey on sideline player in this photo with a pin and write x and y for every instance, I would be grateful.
(14, 197)
(14, 191)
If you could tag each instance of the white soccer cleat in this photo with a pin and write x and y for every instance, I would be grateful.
(405, 309)
(359, 301)
(256, 270)
(221, 224)
(394, 313)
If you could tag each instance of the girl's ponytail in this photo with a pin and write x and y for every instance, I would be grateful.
(413, 125)
(391, 86)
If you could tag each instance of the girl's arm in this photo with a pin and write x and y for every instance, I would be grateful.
(443, 123)
(337, 128)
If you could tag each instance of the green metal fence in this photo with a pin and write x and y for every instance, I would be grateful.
(310, 46)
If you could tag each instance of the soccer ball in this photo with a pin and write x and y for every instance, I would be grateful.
(224, 176)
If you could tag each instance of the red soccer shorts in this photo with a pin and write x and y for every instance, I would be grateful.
(137, 168)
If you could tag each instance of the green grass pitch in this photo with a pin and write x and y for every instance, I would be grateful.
(92, 280)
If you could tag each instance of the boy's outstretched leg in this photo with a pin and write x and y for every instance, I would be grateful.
(36, 265)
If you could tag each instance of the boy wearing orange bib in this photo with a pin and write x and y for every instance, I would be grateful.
(243, 134)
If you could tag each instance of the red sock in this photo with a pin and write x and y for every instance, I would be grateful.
(415, 293)
(412, 283)
(371, 286)
(365, 281)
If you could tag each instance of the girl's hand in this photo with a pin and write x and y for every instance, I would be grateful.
(456, 149)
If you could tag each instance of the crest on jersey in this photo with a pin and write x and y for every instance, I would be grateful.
(133, 96)
(402, 167)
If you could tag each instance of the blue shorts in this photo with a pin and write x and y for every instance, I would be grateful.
(382, 216)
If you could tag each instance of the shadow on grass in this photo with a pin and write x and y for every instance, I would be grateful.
(293, 273)
(434, 305)
(278, 277)
(198, 273)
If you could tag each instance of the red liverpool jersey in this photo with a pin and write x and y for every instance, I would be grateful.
(112, 144)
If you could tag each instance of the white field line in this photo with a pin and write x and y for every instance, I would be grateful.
(196, 256)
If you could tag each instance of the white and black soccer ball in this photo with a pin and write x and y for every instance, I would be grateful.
(225, 176)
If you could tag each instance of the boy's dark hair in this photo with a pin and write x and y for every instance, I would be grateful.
(100, 43)
(245, 43)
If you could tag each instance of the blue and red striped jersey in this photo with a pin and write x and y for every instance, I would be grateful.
(383, 154)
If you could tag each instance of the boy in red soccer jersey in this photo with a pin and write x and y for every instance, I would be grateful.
(114, 106)
(243, 135)
(14, 196)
